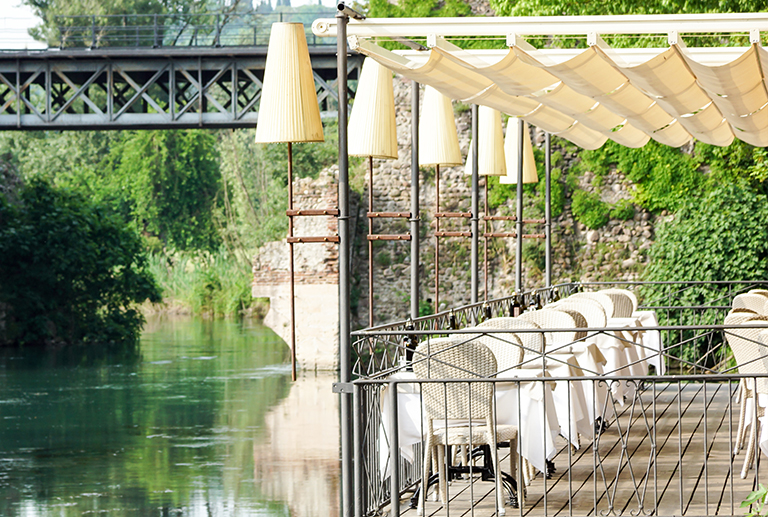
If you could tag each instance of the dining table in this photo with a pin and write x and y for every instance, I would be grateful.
(525, 400)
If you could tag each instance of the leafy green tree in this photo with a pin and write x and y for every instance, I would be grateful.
(71, 270)
(168, 182)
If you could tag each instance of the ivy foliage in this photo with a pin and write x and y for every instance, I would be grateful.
(589, 209)
(71, 270)
(721, 236)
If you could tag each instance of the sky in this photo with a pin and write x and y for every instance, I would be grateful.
(16, 18)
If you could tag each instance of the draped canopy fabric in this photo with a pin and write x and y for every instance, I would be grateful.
(670, 95)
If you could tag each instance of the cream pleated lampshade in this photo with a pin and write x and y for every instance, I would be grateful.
(372, 130)
(438, 140)
(490, 146)
(288, 111)
(511, 147)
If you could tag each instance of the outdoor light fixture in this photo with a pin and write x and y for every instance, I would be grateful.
(289, 112)
(490, 145)
(511, 151)
(438, 145)
(373, 134)
(372, 128)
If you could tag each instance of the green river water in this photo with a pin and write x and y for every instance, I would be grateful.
(201, 420)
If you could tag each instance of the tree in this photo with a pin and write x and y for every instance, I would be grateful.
(71, 270)
(168, 182)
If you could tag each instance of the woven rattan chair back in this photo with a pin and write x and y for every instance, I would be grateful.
(554, 319)
(533, 342)
(755, 302)
(761, 292)
(453, 358)
(603, 299)
(507, 347)
(593, 312)
(751, 355)
(622, 303)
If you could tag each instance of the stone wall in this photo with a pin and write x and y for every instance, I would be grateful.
(317, 278)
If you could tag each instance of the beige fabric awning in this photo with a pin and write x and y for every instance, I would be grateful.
(591, 95)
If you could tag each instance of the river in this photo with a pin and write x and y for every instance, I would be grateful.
(201, 419)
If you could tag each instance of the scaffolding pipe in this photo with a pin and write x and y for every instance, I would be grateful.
(548, 207)
(437, 240)
(345, 370)
(475, 281)
(519, 238)
(414, 200)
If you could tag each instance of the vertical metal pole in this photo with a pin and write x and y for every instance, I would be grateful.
(485, 243)
(370, 242)
(291, 272)
(358, 442)
(437, 238)
(414, 200)
(548, 207)
(155, 43)
(519, 236)
(475, 209)
(394, 455)
(346, 427)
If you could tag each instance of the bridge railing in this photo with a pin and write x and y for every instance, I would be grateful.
(181, 30)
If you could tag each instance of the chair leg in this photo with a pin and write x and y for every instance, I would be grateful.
(500, 510)
(742, 416)
(442, 475)
(513, 461)
(750, 449)
(428, 453)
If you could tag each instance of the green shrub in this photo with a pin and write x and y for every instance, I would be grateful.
(589, 209)
(71, 271)
(721, 236)
(623, 210)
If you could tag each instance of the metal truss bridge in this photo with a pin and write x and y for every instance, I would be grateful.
(141, 72)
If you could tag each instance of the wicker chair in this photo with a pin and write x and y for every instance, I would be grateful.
(622, 302)
(556, 319)
(454, 358)
(602, 299)
(761, 292)
(755, 302)
(507, 348)
(752, 358)
(592, 311)
(532, 342)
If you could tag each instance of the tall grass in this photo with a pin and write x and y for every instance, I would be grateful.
(215, 284)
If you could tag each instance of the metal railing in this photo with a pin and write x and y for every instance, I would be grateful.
(181, 30)
(654, 444)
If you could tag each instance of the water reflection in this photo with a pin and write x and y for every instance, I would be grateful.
(178, 426)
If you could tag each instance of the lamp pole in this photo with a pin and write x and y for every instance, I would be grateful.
(345, 373)
(414, 200)
(474, 278)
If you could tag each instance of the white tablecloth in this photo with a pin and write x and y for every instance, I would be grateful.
(536, 409)
(651, 340)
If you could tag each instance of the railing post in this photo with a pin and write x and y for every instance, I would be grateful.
(394, 456)
(155, 44)
(217, 36)
(93, 31)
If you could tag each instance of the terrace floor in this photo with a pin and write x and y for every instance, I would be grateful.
(689, 473)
